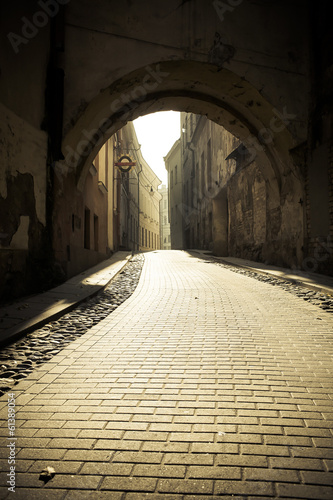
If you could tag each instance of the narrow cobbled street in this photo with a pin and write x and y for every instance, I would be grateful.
(204, 383)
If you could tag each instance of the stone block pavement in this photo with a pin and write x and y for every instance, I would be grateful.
(203, 384)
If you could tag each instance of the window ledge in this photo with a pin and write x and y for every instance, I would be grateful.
(92, 170)
(102, 187)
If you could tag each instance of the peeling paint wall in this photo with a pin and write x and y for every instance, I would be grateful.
(23, 261)
(259, 229)
(23, 181)
(23, 150)
(82, 228)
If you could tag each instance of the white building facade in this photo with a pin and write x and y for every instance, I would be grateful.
(165, 235)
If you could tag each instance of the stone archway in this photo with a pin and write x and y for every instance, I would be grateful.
(201, 88)
(116, 61)
(224, 98)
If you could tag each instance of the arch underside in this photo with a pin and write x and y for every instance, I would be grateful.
(189, 86)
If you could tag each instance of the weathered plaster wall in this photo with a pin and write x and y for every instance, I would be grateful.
(235, 209)
(184, 56)
(23, 150)
(165, 237)
(206, 172)
(139, 231)
(134, 35)
(23, 262)
(23, 63)
(248, 224)
(23, 187)
(24, 241)
(72, 252)
(262, 228)
(173, 165)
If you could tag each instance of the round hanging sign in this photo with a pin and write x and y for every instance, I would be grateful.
(125, 164)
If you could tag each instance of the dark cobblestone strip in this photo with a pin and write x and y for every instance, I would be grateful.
(23, 356)
(322, 300)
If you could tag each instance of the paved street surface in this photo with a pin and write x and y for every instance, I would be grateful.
(204, 384)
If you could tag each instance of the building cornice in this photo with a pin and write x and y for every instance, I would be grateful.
(172, 151)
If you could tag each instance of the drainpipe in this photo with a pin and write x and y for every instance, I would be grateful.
(138, 238)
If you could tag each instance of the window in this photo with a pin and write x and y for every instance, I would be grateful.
(203, 179)
(210, 227)
(176, 180)
(143, 237)
(165, 220)
(209, 165)
(197, 179)
(96, 233)
(171, 179)
(87, 228)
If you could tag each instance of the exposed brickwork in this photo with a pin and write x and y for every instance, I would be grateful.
(204, 383)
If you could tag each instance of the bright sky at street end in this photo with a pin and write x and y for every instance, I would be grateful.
(157, 134)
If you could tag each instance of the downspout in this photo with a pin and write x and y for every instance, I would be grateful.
(138, 239)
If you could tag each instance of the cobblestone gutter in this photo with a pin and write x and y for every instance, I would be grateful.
(324, 301)
(20, 358)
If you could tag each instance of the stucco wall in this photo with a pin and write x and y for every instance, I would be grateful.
(73, 250)
(234, 209)
(23, 197)
(165, 236)
(247, 215)
(138, 231)
(173, 165)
